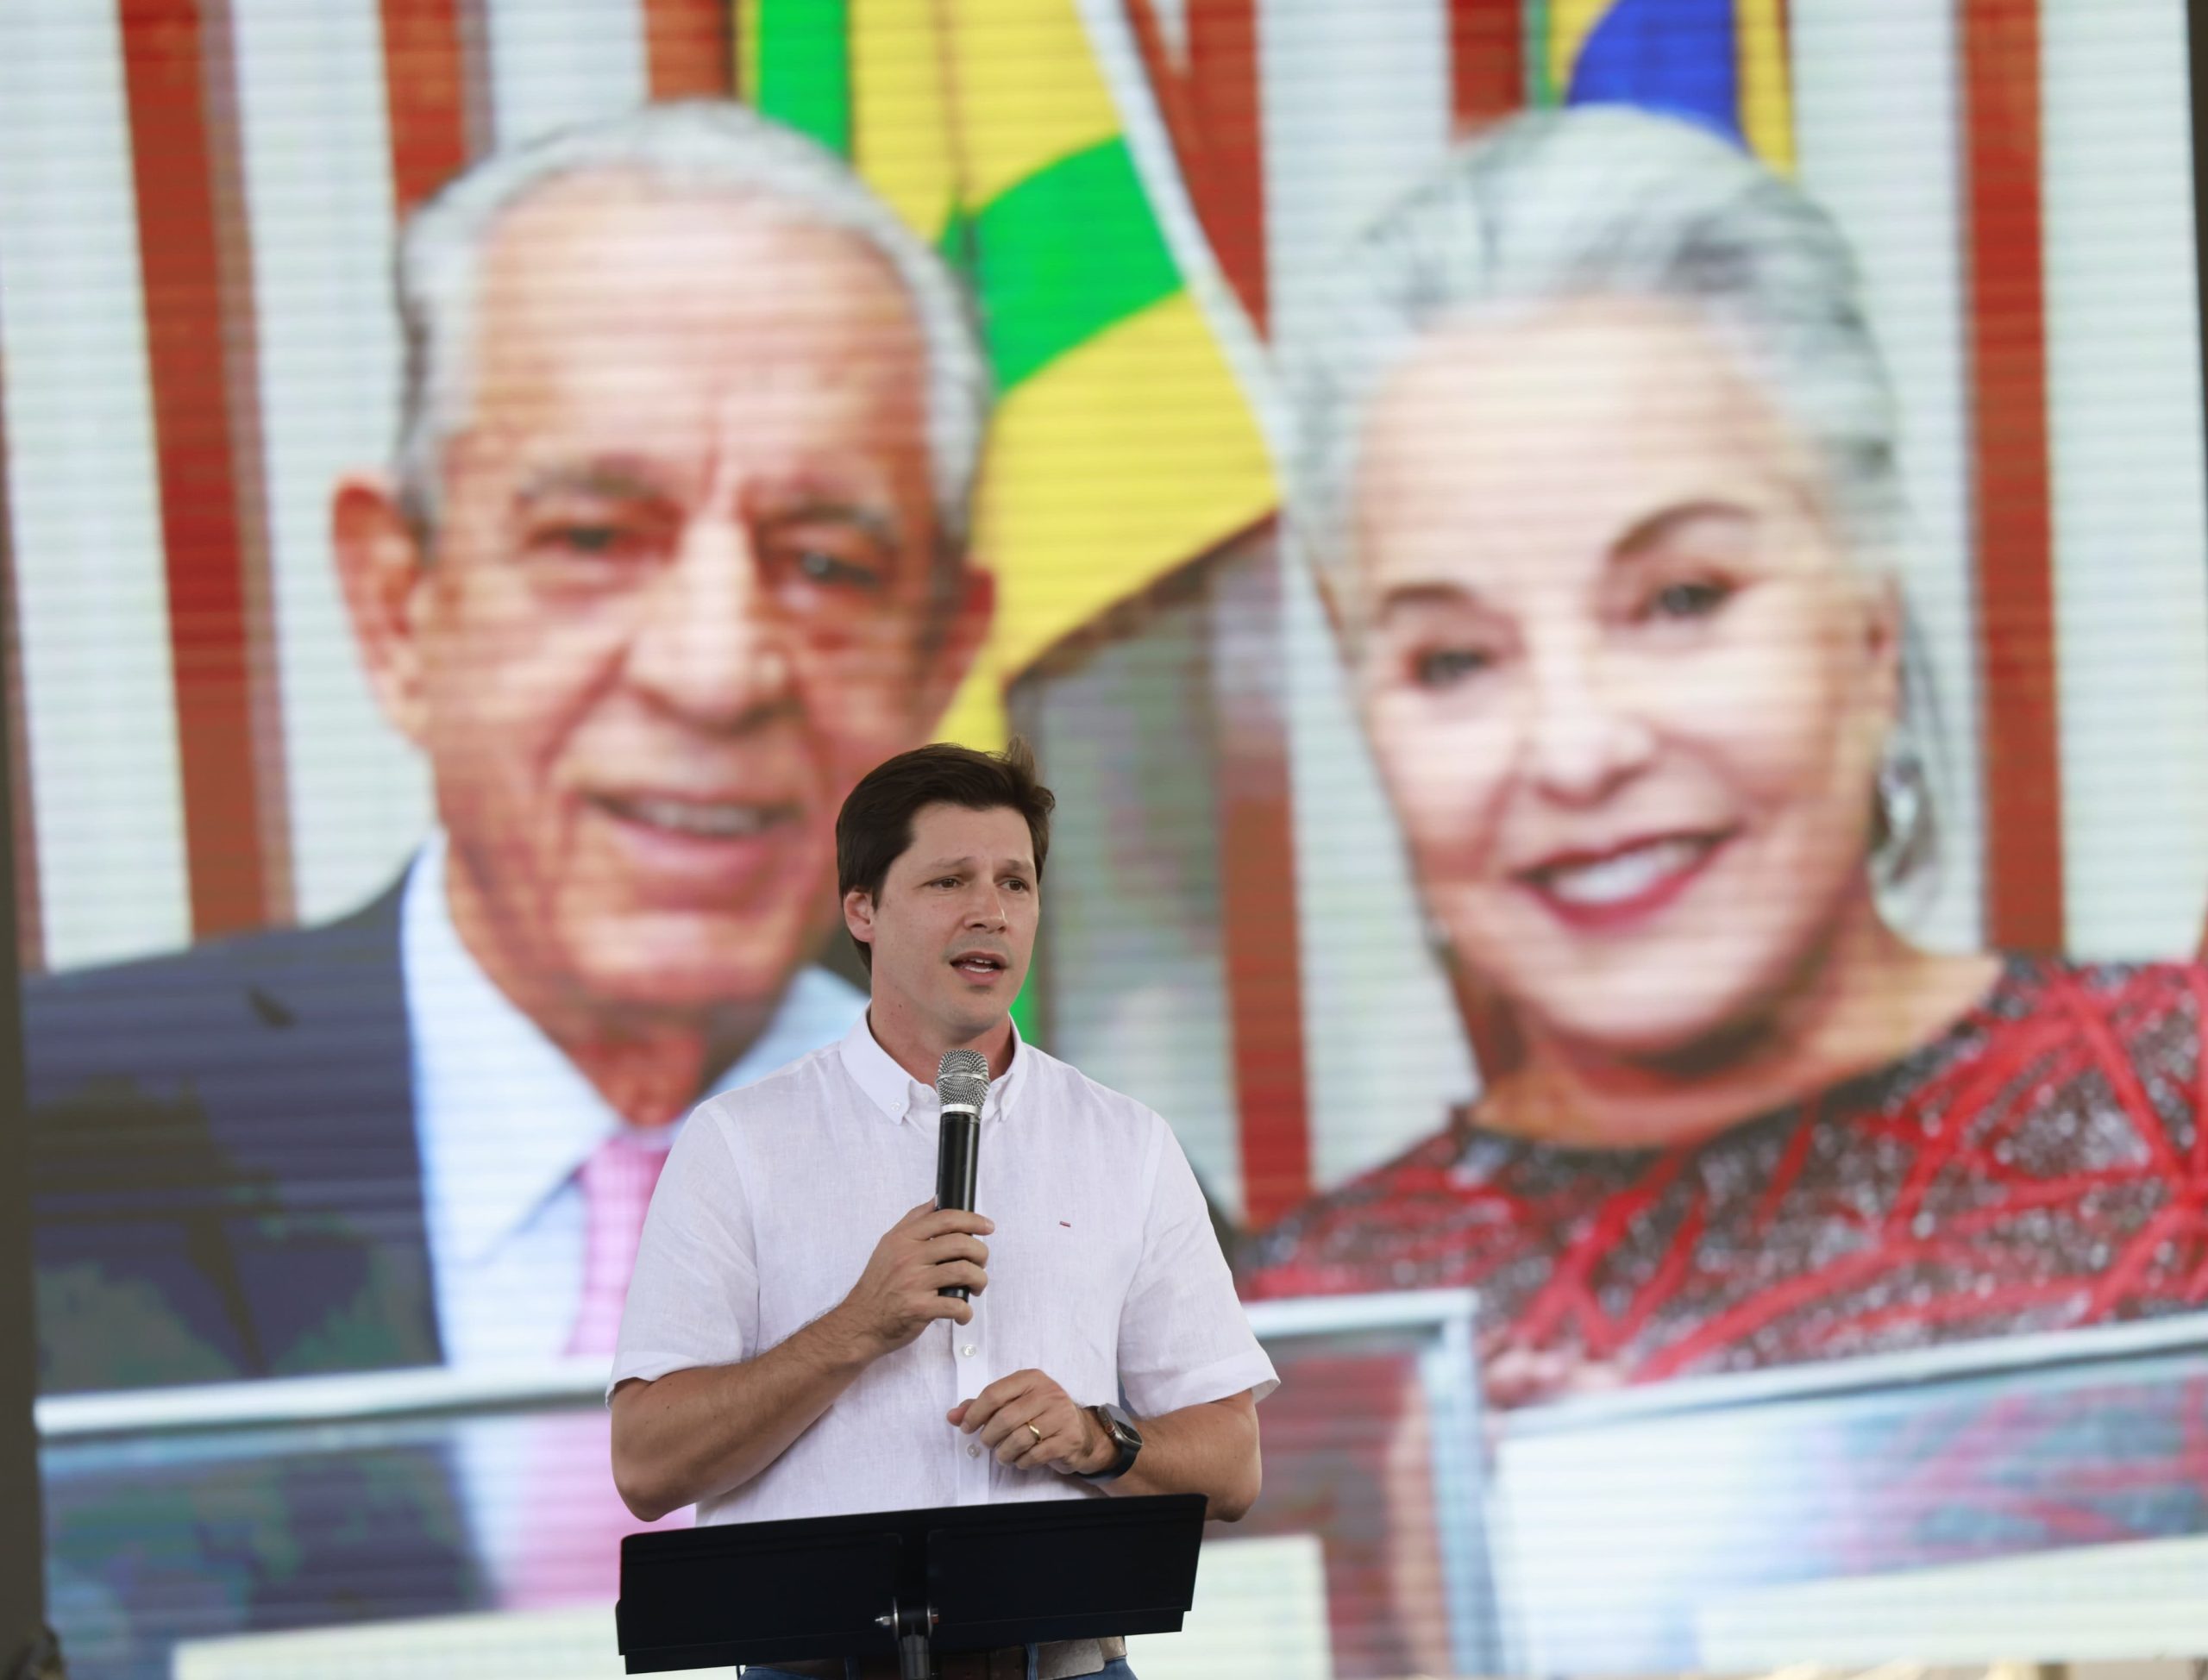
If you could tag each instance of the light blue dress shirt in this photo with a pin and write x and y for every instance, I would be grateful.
(504, 1120)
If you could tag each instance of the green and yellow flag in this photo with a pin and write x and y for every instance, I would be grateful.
(1123, 446)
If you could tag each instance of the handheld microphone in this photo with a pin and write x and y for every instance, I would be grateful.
(961, 1081)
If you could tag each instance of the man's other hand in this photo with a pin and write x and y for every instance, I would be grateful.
(895, 1299)
(1031, 1423)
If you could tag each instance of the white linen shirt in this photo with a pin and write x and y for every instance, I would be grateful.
(1104, 1272)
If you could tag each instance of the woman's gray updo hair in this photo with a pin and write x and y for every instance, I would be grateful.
(1554, 206)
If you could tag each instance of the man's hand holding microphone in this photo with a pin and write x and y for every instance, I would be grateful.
(900, 1293)
(926, 1267)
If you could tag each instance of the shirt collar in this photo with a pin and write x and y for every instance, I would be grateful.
(899, 1096)
(503, 1118)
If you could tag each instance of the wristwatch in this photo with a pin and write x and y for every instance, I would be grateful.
(1125, 1436)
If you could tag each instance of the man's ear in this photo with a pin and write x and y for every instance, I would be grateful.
(966, 626)
(383, 575)
(858, 914)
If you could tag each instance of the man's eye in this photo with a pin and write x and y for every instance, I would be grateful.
(594, 542)
(1696, 598)
(825, 570)
(1446, 667)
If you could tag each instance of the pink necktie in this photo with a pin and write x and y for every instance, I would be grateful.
(572, 1549)
(618, 1181)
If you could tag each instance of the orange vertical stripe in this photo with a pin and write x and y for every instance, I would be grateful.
(1214, 113)
(2009, 493)
(1257, 913)
(1229, 189)
(1211, 108)
(1169, 86)
(190, 350)
(1487, 61)
(689, 48)
(1258, 907)
(434, 108)
(248, 458)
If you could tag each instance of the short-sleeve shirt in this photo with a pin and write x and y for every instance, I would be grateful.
(1104, 1270)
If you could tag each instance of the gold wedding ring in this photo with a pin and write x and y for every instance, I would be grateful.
(1034, 1431)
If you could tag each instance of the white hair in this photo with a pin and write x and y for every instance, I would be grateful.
(709, 145)
(1606, 202)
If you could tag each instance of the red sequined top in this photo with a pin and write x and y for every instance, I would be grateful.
(2039, 1166)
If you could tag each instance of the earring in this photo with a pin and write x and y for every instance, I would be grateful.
(1901, 804)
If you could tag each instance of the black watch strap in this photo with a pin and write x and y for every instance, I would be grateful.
(1120, 1429)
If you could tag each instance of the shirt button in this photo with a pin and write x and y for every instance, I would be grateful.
(968, 1351)
(973, 1448)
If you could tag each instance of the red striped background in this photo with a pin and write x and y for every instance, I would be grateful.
(690, 48)
(1487, 61)
(197, 283)
(1212, 104)
(435, 92)
(2014, 535)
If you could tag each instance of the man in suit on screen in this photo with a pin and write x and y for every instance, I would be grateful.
(674, 548)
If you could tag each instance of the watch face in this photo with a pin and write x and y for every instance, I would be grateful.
(1125, 1438)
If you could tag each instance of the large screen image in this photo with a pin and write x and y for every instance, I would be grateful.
(1615, 593)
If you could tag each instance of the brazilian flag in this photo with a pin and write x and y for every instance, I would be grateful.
(1720, 63)
(1122, 446)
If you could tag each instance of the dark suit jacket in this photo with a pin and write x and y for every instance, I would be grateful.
(226, 1186)
(225, 1181)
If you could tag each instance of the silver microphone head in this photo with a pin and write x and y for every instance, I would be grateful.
(962, 1078)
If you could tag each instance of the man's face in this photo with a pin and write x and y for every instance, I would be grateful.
(953, 927)
(681, 596)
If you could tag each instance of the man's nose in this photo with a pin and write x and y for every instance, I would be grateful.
(711, 645)
(1583, 733)
(988, 909)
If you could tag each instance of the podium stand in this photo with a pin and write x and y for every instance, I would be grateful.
(907, 1583)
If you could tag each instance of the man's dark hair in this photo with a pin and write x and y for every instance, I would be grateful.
(875, 827)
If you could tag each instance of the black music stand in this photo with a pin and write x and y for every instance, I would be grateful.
(913, 1582)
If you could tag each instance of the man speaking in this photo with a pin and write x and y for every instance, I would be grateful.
(787, 1349)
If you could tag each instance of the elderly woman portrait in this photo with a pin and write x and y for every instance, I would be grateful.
(1598, 471)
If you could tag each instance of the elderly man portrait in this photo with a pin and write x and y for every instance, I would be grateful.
(672, 550)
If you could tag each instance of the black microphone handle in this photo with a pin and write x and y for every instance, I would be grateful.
(957, 1153)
